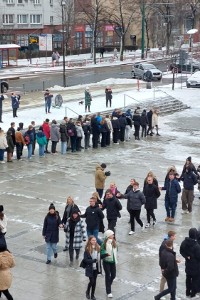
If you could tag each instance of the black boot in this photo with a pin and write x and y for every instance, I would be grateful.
(93, 297)
(87, 294)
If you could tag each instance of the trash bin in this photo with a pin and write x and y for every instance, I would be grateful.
(148, 85)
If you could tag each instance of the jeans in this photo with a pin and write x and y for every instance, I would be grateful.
(127, 132)
(170, 290)
(41, 150)
(51, 248)
(137, 132)
(2, 154)
(29, 150)
(95, 233)
(110, 274)
(53, 146)
(87, 140)
(135, 214)
(144, 130)
(73, 143)
(100, 192)
(47, 106)
(71, 250)
(19, 147)
(170, 207)
(14, 112)
(63, 147)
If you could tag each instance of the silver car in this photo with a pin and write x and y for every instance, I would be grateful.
(139, 71)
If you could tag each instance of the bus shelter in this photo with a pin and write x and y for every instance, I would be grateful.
(8, 53)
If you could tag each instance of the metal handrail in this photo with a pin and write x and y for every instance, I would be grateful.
(125, 95)
(66, 108)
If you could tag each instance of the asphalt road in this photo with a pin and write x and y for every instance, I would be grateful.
(40, 81)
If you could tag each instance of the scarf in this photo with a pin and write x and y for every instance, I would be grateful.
(111, 251)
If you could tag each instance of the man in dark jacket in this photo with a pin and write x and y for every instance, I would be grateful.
(135, 201)
(95, 131)
(190, 250)
(112, 206)
(189, 180)
(122, 124)
(93, 216)
(144, 123)
(149, 117)
(136, 122)
(1, 100)
(169, 270)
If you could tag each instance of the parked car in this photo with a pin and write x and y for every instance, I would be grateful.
(139, 71)
(185, 67)
(193, 80)
(4, 86)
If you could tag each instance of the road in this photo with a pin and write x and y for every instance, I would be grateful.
(46, 79)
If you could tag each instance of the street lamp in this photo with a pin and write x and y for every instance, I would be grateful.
(143, 24)
(63, 4)
(191, 32)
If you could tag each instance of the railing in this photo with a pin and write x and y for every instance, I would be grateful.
(125, 95)
(67, 108)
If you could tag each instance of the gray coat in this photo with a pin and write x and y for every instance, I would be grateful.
(135, 200)
(79, 131)
(79, 235)
(55, 134)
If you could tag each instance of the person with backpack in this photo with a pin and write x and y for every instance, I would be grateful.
(29, 140)
(41, 140)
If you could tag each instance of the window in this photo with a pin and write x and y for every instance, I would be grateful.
(78, 40)
(100, 39)
(51, 2)
(10, 1)
(35, 19)
(37, 1)
(22, 19)
(8, 19)
(19, 1)
(51, 20)
(88, 39)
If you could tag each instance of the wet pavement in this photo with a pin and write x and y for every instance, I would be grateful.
(28, 187)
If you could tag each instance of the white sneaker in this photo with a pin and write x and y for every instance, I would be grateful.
(143, 227)
(184, 212)
(110, 295)
(130, 233)
(147, 225)
(154, 223)
(2, 162)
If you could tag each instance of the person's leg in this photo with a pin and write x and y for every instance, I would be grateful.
(89, 232)
(142, 131)
(77, 253)
(53, 147)
(7, 294)
(137, 217)
(71, 250)
(112, 224)
(167, 207)
(173, 208)
(166, 291)
(55, 249)
(33, 147)
(49, 106)
(89, 287)
(95, 273)
(132, 219)
(1, 154)
(106, 102)
(49, 251)
(112, 272)
(188, 283)
(148, 217)
(0, 114)
(46, 106)
(95, 234)
(100, 191)
(46, 146)
(151, 213)
(184, 200)
(190, 197)
(40, 150)
(162, 283)
(106, 267)
(29, 150)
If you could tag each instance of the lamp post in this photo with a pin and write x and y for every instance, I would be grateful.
(143, 23)
(63, 3)
(191, 32)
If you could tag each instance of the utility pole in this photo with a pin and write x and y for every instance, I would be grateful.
(63, 4)
(143, 25)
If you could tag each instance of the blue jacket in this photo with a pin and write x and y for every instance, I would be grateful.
(172, 188)
(30, 133)
(189, 180)
(15, 101)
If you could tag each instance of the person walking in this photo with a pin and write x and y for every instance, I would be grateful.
(41, 140)
(1, 105)
(55, 136)
(100, 178)
(190, 250)
(15, 99)
(109, 257)
(50, 232)
(63, 137)
(151, 193)
(93, 265)
(75, 235)
(172, 188)
(3, 145)
(88, 99)
(189, 181)
(93, 217)
(48, 100)
(20, 143)
(70, 206)
(170, 271)
(6, 263)
(113, 207)
(108, 92)
(135, 201)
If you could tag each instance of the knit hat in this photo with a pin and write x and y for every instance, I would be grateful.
(189, 158)
(108, 233)
(103, 166)
(193, 233)
(1, 208)
(52, 206)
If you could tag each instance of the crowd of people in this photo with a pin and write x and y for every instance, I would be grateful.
(75, 135)
(103, 251)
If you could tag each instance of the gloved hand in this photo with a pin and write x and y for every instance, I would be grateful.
(107, 173)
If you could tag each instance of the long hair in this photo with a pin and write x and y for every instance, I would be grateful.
(89, 247)
(114, 244)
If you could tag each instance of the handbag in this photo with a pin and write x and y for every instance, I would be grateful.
(83, 264)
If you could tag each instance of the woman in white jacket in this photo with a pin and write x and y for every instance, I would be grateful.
(3, 145)
(155, 120)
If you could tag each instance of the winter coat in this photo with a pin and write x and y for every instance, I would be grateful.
(51, 228)
(6, 262)
(135, 200)
(89, 264)
(122, 121)
(63, 133)
(1, 99)
(112, 206)
(15, 101)
(88, 98)
(172, 189)
(79, 131)
(198, 172)
(149, 117)
(87, 128)
(100, 177)
(93, 216)
(79, 234)
(115, 123)
(190, 250)
(71, 129)
(95, 126)
(46, 130)
(189, 180)
(66, 216)
(54, 132)
(168, 263)
(108, 93)
(48, 97)
(19, 137)
(109, 123)
(3, 141)
(136, 119)
(151, 193)
(10, 143)
(104, 127)
(129, 121)
(154, 119)
(143, 119)
(41, 138)
(30, 133)
(3, 224)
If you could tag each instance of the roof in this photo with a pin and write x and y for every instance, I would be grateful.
(9, 46)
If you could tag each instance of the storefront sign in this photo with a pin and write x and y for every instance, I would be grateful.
(45, 42)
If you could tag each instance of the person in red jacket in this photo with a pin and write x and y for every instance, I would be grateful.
(46, 130)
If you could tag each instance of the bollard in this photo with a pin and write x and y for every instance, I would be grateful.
(23, 85)
(138, 85)
(43, 85)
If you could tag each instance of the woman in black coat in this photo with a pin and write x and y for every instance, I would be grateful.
(93, 265)
(50, 232)
(152, 193)
(104, 131)
(136, 122)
